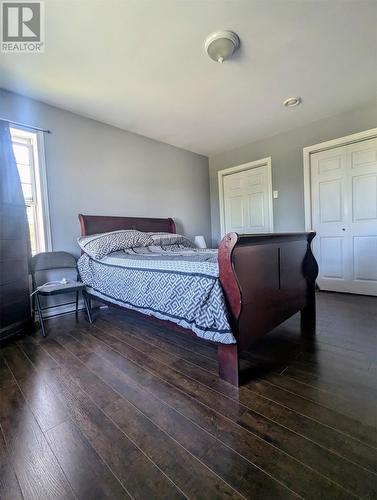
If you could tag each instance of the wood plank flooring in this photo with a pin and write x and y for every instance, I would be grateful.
(128, 409)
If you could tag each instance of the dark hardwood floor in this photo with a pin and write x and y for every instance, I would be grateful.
(124, 409)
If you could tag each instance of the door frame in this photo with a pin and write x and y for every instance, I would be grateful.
(263, 162)
(323, 146)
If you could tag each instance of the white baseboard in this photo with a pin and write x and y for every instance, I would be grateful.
(52, 312)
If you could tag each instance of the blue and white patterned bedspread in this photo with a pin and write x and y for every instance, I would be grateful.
(179, 286)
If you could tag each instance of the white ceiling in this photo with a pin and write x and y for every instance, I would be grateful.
(140, 65)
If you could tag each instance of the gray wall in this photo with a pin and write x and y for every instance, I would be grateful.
(94, 168)
(287, 163)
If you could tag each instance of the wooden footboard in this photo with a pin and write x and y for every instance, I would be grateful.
(266, 279)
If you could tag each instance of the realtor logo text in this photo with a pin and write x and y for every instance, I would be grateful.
(22, 27)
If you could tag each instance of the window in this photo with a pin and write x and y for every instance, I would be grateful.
(28, 151)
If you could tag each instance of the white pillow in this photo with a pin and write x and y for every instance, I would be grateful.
(98, 246)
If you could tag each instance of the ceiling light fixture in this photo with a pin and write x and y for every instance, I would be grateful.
(221, 45)
(291, 102)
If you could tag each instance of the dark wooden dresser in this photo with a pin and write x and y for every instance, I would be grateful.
(15, 315)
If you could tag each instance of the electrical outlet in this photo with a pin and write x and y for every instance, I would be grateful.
(275, 194)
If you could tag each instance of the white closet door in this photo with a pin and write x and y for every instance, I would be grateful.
(344, 214)
(246, 201)
(235, 203)
(362, 180)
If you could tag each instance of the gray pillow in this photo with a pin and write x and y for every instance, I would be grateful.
(98, 246)
(164, 239)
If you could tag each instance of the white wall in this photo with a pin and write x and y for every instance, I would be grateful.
(94, 168)
(287, 163)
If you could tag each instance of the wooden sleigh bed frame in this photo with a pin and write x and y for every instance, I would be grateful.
(266, 278)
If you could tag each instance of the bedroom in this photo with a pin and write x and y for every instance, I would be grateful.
(246, 371)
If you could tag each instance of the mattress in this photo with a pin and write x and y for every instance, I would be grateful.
(181, 285)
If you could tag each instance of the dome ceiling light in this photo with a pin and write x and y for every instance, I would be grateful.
(291, 102)
(221, 45)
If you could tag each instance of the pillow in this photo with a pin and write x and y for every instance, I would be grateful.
(164, 239)
(98, 246)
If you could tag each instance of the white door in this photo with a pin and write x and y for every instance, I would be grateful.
(247, 198)
(344, 214)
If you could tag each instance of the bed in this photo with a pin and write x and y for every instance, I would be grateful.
(232, 296)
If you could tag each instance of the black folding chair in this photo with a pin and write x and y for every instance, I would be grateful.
(41, 265)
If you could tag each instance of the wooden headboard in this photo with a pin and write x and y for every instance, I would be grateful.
(93, 224)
